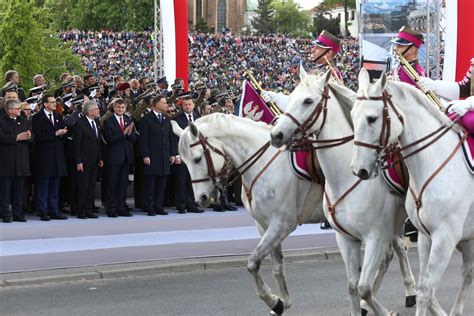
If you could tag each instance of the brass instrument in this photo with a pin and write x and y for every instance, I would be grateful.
(272, 106)
(333, 71)
(416, 78)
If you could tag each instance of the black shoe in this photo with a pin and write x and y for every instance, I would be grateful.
(239, 203)
(124, 213)
(218, 208)
(45, 218)
(195, 210)
(111, 213)
(229, 207)
(325, 225)
(151, 213)
(91, 215)
(19, 218)
(81, 216)
(7, 219)
(59, 217)
(409, 230)
(161, 212)
(181, 210)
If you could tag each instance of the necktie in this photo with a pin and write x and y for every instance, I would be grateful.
(51, 118)
(190, 118)
(121, 124)
(95, 129)
(160, 117)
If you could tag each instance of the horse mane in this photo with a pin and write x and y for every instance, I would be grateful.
(220, 120)
(421, 99)
(345, 98)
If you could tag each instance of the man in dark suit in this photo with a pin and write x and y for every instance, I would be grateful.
(184, 187)
(15, 135)
(119, 133)
(157, 146)
(49, 162)
(88, 156)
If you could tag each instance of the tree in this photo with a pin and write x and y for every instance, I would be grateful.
(30, 48)
(263, 20)
(288, 18)
(347, 4)
(201, 26)
(320, 23)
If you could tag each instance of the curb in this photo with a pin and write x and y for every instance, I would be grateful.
(125, 270)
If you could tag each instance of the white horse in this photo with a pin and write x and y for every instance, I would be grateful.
(360, 212)
(442, 209)
(275, 195)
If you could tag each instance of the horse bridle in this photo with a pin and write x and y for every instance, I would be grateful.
(386, 122)
(213, 175)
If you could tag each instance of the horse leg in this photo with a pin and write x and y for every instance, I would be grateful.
(441, 250)
(375, 249)
(278, 267)
(379, 277)
(272, 237)
(466, 249)
(350, 251)
(407, 274)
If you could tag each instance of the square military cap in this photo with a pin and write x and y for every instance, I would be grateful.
(68, 84)
(33, 99)
(38, 89)
(183, 95)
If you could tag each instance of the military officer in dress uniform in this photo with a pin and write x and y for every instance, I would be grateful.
(407, 43)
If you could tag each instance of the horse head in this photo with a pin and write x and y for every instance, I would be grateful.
(377, 123)
(304, 114)
(204, 159)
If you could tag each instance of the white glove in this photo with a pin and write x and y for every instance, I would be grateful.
(461, 107)
(446, 89)
(268, 96)
(280, 99)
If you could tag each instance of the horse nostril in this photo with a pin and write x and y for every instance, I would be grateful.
(363, 174)
(279, 136)
(203, 198)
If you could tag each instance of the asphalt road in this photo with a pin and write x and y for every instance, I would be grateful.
(316, 288)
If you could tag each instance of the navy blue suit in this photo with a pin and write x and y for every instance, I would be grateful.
(185, 193)
(49, 163)
(119, 157)
(157, 142)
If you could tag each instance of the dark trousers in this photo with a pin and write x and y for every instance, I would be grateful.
(154, 192)
(47, 195)
(138, 184)
(116, 189)
(11, 191)
(184, 188)
(86, 189)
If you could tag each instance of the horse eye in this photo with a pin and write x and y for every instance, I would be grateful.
(308, 101)
(197, 160)
(371, 119)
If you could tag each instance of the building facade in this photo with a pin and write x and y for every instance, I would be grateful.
(218, 14)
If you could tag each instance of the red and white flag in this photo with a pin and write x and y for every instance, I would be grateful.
(174, 18)
(459, 45)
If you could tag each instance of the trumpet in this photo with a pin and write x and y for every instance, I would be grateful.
(333, 71)
(416, 78)
(272, 106)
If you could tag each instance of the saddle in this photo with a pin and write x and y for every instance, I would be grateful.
(396, 176)
(306, 166)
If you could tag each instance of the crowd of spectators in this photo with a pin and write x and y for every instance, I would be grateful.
(218, 60)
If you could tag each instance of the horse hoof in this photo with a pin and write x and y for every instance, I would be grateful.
(363, 312)
(279, 308)
(410, 301)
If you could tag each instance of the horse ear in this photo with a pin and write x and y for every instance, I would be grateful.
(194, 129)
(364, 78)
(382, 81)
(177, 130)
(303, 73)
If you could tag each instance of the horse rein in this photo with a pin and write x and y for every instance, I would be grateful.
(213, 175)
(384, 148)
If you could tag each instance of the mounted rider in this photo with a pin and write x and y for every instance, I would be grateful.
(453, 91)
(325, 48)
(407, 44)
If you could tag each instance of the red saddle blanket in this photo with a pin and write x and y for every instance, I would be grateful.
(306, 166)
(468, 152)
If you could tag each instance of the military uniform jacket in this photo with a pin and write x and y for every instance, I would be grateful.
(14, 156)
(48, 154)
(157, 142)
